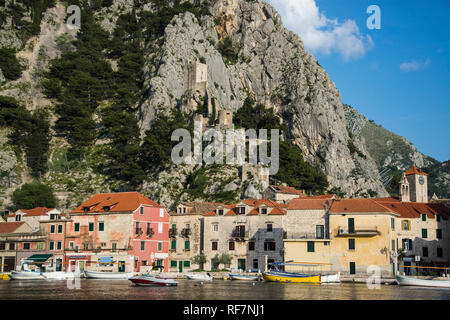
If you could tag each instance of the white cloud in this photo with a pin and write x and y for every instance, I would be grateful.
(320, 34)
(414, 65)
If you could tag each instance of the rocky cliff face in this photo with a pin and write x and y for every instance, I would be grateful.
(271, 65)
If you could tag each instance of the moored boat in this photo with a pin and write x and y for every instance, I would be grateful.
(108, 275)
(290, 277)
(60, 275)
(243, 277)
(410, 281)
(26, 275)
(148, 280)
(202, 277)
(331, 278)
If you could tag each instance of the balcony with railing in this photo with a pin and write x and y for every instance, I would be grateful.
(150, 232)
(186, 232)
(358, 231)
(306, 235)
(239, 235)
(172, 232)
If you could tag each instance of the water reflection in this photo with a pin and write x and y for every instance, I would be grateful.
(215, 290)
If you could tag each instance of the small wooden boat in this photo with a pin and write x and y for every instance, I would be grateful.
(108, 275)
(201, 277)
(331, 278)
(26, 275)
(409, 281)
(243, 277)
(148, 280)
(290, 277)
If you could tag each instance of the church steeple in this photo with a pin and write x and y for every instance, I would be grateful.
(404, 189)
(418, 185)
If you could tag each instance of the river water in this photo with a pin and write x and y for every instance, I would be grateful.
(88, 289)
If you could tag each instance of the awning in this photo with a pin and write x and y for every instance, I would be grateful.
(38, 258)
(105, 260)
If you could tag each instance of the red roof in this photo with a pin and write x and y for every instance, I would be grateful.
(256, 204)
(308, 204)
(9, 227)
(413, 210)
(288, 190)
(323, 196)
(357, 205)
(40, 211)
(414, 170)
(117, 202)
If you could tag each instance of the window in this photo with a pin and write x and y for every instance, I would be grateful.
(71, 244)
(59, 245)
(187, 245)
(149, 229)
(26, 246)
(241, 210)
(60, 228)
(251, 246)
(264, 211)
(160, 245)
(141, 211)
(114, 246)
(173, 263)
(2, 246)
(439, 252)
(101, 226)
(407, 244)
(12, 246)
(137, 230)
(392, 224)
(160, 227)
(91, 226)
(424, 233)
(215, 227)
(214, 245)
(269, 227)
(424, 217)
(77, 227)
(40, 246)
(231, 245)
(144, 263)
(186, 263)
(351, 244)
(320, 234)
(255, 263)
(52, 245)
(161, 212)
(220, 212)
(310, 246)
(52, 228)
(142, 245)
(439, 233)
(393, 245)
(438, 218)
(406, 225)
(18, 217)
(425, 251)
(173, 245)
(269, 246)
(351, 225)
(86, 246)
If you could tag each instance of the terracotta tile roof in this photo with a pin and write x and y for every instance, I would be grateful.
(414, 170)
(441, 209)
(118, 202)
(9, 227)
(388, 199)
(288, 190)
(357, 205)
(255, 205)
(399, 208)
(39, 211)
(308, 204)
(323, 196)
(199, 208)
(414, 210)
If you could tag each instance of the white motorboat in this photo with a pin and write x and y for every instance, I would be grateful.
(201, 277)
(60, 275)
(330, 278)
(26, 275)
(108, 275)
(148, 280)
(410, 281)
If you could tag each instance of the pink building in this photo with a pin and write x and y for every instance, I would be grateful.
(120, 232)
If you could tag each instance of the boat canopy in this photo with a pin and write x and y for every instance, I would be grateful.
(36, 258)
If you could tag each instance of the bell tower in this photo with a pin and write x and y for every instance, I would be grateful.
(404, 189)
(418, 182)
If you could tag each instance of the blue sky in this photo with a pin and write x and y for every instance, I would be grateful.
(398, 75)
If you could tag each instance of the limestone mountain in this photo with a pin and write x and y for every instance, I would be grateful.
(114, 87)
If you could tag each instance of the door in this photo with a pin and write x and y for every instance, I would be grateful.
(351, 225)
(241, 264)
(81, 265)
(58, 264)
(352, 268)
(72, 265)
(121, 267)
(180, 266)
(9, 264)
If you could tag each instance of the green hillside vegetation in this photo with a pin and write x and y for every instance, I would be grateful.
(9, 64)
(32, 195)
